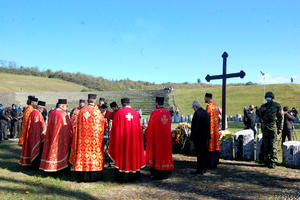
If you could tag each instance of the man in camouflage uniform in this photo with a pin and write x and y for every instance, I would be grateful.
(5, 119)
(16, 115)
(272, 117)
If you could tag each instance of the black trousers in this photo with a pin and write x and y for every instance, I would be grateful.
(213, 159)
(14, 127)
(202, 157)
(19, 126)
(287, 133)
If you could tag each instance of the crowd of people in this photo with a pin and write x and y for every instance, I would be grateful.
(76, 140)
(10, 121)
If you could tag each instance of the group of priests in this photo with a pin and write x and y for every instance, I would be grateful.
(76, 142)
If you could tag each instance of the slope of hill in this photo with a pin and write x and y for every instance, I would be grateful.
(98, 83)
(25, 83)
(238, 96)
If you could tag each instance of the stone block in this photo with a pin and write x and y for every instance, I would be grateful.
(244, 145)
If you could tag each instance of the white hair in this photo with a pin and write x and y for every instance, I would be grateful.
(196, 104)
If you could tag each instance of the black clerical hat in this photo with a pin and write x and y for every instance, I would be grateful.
(31, 97)
(160, 100)
(81, 101)
(62, 101)
(125, 100)
(41, 103)
(92, 96)
(101, 99)
(209, 95)
(113, 104)
(34, 99)
(103, 106)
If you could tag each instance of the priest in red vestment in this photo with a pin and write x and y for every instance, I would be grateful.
(126, 145)
(158, 137)
(110, 114)
(31, 102)
(74, 114)
(58, 138)
(87, 156)
(214, 142)
(32, 145)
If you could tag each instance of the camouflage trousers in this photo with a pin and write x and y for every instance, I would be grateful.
(270, 146)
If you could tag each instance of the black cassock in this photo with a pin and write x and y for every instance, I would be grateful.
(200, 136)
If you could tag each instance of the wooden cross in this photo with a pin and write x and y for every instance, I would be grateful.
(129, 116)
(224, 77)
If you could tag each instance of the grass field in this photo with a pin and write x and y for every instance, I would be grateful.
(234, 180)
(238, 96)
(14, 83)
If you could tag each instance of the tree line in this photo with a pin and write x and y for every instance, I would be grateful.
(94, 83)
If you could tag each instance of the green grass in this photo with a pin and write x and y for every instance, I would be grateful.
(238, 96)
(232, 180)
(14, 83)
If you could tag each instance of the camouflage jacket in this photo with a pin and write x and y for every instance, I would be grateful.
(271, 115)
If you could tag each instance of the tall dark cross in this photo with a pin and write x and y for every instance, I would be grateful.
(224, 77)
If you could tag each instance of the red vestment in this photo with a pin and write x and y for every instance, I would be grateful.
(158, 137)
(57, 142)
(214, 142)
(126, 145)
(26, 115)
(33, 137)
(87, 146)
(110, 115)
(74, 118)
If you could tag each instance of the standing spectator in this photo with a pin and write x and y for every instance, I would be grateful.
(16, 115)
(250, 119)
(288, 125)
(5, 119)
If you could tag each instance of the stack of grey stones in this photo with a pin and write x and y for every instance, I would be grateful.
(244, 149)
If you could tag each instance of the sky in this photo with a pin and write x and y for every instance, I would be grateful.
(154, 40)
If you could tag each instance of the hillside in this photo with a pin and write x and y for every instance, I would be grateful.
(25, 83)
(98, 83)
(238, 96)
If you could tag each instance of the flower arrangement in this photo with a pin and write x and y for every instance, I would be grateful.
(225, 135)
(180, 135)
